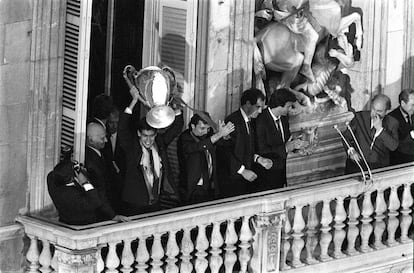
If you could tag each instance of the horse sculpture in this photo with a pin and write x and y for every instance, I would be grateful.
(288, 44)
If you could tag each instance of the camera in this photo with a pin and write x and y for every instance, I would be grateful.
(76, 166)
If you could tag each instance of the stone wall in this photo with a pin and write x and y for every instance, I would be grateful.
(15, 40)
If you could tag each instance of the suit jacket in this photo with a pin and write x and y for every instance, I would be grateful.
(379, 155)
(99, 175)
(193, 162)
(75, 205)
(115, 161)
(135, 190)
(270, 144)
(239, 149)
(405, 150)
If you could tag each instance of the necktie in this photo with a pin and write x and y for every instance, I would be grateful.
(249, 127)
(279, 126)
(372, 132)
(113, 143)
(209, 163)
(155, 183)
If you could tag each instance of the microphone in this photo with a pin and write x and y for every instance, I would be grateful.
(360, 151)
(349, 147)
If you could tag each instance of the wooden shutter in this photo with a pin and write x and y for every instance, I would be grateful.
(170, 31)
(75, 75)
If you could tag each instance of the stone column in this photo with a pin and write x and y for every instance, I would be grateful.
(69, 261)
(266, 242)
(408, 65)
(226, 69)
(46, 70)
(368, 75)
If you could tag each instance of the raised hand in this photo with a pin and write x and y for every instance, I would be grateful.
(377, 122)
(225, 129)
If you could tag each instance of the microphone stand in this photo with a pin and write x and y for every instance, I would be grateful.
(349, 147)
(360, 151)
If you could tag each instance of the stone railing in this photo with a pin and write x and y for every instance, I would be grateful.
(327, 226)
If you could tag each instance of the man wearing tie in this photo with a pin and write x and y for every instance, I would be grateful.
(273, 138)
(95, 163)
(197, 158)
(148, 174)
(236, 156)
(405, 116)
(115, 160)
(377, 135)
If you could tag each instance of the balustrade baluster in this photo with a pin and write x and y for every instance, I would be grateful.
(230, 256)
(112, 260)
(127, 257)
(54, 262)
(326, 236)
(100, 265)
(311, 239)
(33, 255)
(172, 251)
(393, 206)
(142, 255)
(285, 243)
(45, 257)
(216, 242)
(245, 237)
(406, 219)
(340, 217)
(366, 228)
(379, 228)
(297, 243)
(353, 214)
(157, 253)
(187, 247)
(201, 263)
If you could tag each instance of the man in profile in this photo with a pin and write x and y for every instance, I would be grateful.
(404, 114)
(273, 138)
(148, 175)
(77, 201)
(237, 154)
(376, 133)
(197, 158)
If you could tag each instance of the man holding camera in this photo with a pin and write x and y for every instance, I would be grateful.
(76, 199)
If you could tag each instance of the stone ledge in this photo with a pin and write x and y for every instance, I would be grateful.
(10, 232)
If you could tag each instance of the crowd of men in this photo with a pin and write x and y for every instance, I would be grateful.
(127, 170)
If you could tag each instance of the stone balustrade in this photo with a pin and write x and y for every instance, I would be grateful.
(337, 225)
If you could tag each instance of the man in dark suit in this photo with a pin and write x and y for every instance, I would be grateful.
(101, 108)
(404, 114)
(236, 156)
(377, 135)
(77, 201)
(148, 174)
(197, 159)
(95, 162)
(115, 160)
(273, 138)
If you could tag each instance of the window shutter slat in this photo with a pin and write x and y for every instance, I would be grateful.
(75, 69)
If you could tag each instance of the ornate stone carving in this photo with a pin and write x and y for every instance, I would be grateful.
(75, 260)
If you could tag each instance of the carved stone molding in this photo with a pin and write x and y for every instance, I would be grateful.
(267, 240)
(76, 260)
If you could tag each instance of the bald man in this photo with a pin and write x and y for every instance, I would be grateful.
(96, 164)
(377, 135)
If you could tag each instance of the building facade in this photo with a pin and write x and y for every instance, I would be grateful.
(44, 86)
